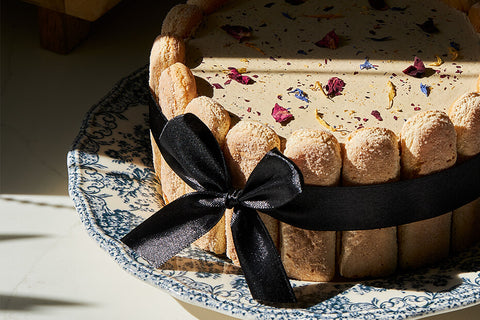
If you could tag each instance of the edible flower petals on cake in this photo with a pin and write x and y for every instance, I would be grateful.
(334, 86)
(377, 115)
(281, 114)
(300, 94)
(425, 89)
(437, 63)
(240, 33)
(367, 65)
(234, 74)
(428, 26)
(330, 40)
(392, 92)
(417, 69)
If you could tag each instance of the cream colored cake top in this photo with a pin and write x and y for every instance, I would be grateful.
(281, 56)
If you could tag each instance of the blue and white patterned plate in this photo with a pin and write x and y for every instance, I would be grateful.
(114, 188)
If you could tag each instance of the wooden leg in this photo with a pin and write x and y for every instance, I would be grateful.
(60, 32)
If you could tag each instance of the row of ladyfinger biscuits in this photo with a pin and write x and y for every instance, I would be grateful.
(247, 142)
(428, 143)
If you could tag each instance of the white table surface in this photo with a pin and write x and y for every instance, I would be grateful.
(49, 267)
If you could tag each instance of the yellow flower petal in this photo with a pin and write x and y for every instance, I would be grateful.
(391, 94)
(439, 62)
(453, 52)
(319, 118)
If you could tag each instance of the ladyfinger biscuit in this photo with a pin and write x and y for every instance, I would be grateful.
(218, 121)
(207, 6)
(166, 50)
(465, 115)
(462, 5)
(428, 145)
(176, 88)
(310, 255)
(182, 20)
(371, 156)
(245, 145)
(474, 16)
(212, 114)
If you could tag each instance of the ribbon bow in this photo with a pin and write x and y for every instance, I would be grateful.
(191, 150)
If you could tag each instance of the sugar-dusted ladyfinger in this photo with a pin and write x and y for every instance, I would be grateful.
(465, 115)
(213, 114)
(371, 156)
(176, 88)
(462, 5)
(310, 255)
(207, 6)
(428, 145)
(166, 51)
(218, 121)
(474, 16)
(182, 20)
(246, 144)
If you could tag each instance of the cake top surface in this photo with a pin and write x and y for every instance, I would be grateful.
(287, 53)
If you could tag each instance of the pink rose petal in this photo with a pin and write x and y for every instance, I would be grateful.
(237, 76)
(280, 114)
(417, 69)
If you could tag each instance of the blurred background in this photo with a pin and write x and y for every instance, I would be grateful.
(44, 95)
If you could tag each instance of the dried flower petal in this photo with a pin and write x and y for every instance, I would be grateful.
(251, 45)
(455, 45)
(322, 122)
(300, 94)
(330, 40)
(295, 2)
(367, 65)
(453, 52)
(428, 26)
(387, 38)
(237, 76)
(439, 62)
(238, 32)
(217, 85)
(417, 69)
(377, 115)
(324, 16)
(425, 89)
(280, 114)
(391, 93)
(334, 86)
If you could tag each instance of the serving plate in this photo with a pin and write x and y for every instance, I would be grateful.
(114, 188)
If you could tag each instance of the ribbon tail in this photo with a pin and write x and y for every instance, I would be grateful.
(174, 227)
(259, 259)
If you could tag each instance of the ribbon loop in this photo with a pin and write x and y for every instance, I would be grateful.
(190, 149)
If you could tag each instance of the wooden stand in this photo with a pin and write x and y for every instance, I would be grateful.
(60, 32)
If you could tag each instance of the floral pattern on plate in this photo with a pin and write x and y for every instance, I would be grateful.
(114, 188)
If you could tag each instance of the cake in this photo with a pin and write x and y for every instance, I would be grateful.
(354, 94)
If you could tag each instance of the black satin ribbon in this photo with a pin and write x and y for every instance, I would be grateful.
(384, 205)
(275, 188)
(190, 149)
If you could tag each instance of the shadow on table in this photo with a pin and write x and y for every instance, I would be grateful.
(27, 303)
